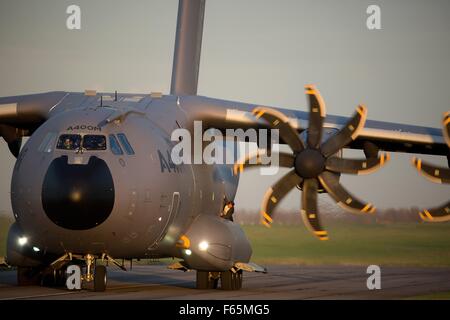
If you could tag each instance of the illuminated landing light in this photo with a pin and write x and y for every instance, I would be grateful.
(203, 246)
(159, 219)
(188, 252)
(36, 249)
(22, 241)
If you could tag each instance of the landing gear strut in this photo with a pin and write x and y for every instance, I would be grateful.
(96, 273)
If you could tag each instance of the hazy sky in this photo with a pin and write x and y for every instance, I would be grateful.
(253, 51)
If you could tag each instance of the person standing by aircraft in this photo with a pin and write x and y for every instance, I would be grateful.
(228, 210)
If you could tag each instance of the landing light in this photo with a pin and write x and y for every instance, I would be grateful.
(188, 252)
(36, 249)
(203, 246)
(22, 241)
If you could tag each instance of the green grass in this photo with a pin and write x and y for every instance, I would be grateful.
(352, 244)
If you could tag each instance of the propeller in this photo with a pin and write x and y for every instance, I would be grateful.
(314, 165)
(438, 175)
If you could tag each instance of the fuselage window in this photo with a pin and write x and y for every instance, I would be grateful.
(69, 142)
(94, 142)
(126, 145)
(115, 146)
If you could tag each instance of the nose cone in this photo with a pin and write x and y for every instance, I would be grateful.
(78, 197)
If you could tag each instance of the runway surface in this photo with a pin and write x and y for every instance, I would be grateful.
(281, 282)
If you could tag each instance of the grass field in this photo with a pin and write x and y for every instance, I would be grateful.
(350, 244)
(354, 244)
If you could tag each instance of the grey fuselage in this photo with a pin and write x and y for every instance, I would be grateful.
(154, 202)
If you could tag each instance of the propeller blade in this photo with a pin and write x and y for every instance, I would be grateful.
(439, 214)
(285, 160)
(342, 197)
(317, 114)
(309, 210)
(279, 121)
(446, 125)
(356, 166)
(347, 134)
(433, 173)
(276, 193)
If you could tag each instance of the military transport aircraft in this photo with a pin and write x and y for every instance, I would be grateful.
(95, 181)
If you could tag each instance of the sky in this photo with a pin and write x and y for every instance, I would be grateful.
(256, 51)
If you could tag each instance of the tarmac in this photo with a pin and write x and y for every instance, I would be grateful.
(281, 282)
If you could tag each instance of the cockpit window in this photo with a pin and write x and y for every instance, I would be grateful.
(126, 145)
(88, 142)
(94, 142)
(115, 146)
(69, 142)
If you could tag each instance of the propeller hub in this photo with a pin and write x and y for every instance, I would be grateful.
(309, 163)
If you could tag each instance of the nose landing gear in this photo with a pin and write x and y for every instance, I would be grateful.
(98, 274)
(94, 272)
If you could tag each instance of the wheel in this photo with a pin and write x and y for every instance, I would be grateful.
(238, 280)
(231, 280)
(206, 280)
(100, 279)
(28, 276)
(54, 278)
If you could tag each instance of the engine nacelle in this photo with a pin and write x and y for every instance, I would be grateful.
(20, 252)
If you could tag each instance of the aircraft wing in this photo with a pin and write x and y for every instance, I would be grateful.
(386, 136)
(21, 115)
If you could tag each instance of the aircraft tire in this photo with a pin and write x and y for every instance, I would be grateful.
(100, 279)
(205, 281)
(231, 280)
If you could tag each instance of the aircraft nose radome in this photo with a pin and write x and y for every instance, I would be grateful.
(78, 197)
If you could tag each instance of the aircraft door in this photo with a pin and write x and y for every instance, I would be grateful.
(170, 215)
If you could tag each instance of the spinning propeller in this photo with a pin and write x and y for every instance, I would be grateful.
(438, 175)
(315, 165)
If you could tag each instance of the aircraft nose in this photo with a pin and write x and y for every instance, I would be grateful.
(78, 197)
